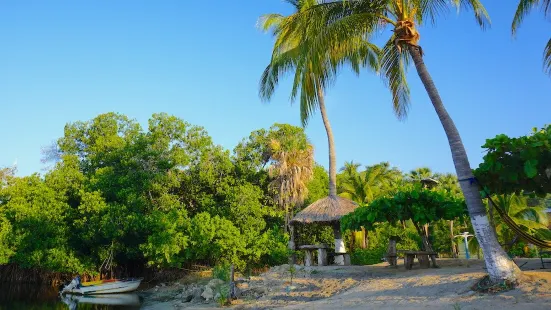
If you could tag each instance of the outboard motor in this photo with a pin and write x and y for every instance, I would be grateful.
(75, 284)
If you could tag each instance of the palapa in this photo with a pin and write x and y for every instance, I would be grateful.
(327, 210)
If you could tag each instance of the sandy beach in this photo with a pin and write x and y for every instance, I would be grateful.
(379, 287)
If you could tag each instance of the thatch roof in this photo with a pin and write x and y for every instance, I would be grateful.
(326, 210)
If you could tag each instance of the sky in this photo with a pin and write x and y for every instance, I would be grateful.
(68, 61)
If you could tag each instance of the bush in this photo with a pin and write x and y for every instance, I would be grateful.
(367, 256)
(221, 272)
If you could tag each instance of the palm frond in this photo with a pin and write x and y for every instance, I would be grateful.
(524, 7)
(547, 57)
(269, 22)
(431, 10)
(394, 69)
(480, 13)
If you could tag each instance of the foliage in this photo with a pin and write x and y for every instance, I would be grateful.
(529, 214)
(317, 187)
(365, 186)
(512, 165)
(333, 33)
(313, 72)
(420, 206)
(221, 272)
(166, 196)
(378, 242)
(367, 257)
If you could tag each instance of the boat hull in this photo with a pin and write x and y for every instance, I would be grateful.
(106, 288)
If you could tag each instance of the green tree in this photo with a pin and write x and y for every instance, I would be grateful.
(524, 7)
(37, 220)
(338, 22)
(411, 203)
(317, 187)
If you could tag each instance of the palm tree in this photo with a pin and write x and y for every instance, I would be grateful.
(312, 72)
(291, 171)
(529, 217)
(524, 7)
(366, 186)
(333, 23)
(421, 173)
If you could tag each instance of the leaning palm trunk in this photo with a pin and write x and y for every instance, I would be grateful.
(339, 244)
(331, 143)
(500, 266)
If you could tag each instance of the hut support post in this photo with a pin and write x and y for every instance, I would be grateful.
(340, 250)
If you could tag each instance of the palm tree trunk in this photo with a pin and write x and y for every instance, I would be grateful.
(500, 266)
(331, 142)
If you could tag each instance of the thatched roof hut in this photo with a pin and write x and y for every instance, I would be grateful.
(327, 210)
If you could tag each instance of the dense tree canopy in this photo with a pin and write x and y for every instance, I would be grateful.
(512, 165)
(415, 204)
(165, 196)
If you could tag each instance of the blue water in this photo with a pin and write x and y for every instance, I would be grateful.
(33, 297)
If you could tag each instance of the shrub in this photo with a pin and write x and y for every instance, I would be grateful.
(221, 272)
(367, 256)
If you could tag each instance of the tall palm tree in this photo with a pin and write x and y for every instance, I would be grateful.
(332, 23)
(291, 171)
(524, 7)
(312, 72)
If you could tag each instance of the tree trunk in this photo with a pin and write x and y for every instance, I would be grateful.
(352, 240)
(424, 238)
(286, 224)
(331, 143)
(364, 238)
(500, 266)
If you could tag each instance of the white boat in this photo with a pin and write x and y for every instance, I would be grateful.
(101, 287)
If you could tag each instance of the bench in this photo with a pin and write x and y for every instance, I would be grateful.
(422, 257)
(309, 249)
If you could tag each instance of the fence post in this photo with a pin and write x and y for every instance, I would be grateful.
(231, 293)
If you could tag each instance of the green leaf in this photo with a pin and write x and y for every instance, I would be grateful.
(530, 168)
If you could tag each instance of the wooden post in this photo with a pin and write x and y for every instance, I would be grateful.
(231, 293)
(392, 254)
(339, 244)
(322, 257)
(408, 261)
(308, 258)
(423, 260)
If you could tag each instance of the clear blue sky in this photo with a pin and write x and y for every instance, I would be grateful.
(64, 61)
